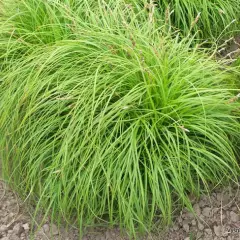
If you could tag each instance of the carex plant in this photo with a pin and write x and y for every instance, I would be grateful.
(203, 18)
(110, 120)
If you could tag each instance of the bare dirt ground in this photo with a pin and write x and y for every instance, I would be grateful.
(218, 218)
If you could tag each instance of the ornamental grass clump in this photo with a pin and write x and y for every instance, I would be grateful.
(116, 125)
(28, 24)
(203, 18)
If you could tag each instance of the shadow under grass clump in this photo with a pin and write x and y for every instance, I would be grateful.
(109, 127)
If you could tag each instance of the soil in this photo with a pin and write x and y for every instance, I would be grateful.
(230, 49)
(217, 218)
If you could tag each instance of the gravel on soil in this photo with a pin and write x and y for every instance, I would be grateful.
(217, 218)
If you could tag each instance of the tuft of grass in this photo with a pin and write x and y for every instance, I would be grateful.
(237, 62)
(115, 122)
(203, 18)
(29, 24)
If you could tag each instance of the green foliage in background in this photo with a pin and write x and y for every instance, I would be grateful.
(203, 18)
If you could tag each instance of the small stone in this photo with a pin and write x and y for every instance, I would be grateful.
(175, 227)
(214, 194)
(218, 230)
(234, 217)
(26, 227)
(85, 238)
(95, 237)
(186, 227)
(225, 198)
(54, 230)
(200, 226)
(8, 203)
(199, 234)
(215, 210)
(180, 220)
(208, 231)
(202, 203)
(5, 238)
(11, 215)
(186, 221)
(46, 228)
(14, 237)
(234, 209)
(3, 228)
(225, 233)
(188, 215)
(188, 238)
(108, 235)
(194, 223)
(100, 238)
(206, 212)
(40, 232)
(219, 197)
(3, 213)
(183, 215)
(208, 237)
(197, 209)
(18, 229)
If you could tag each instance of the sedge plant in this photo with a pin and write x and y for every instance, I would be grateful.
(203, 18)
(28, 24)
(115, 123)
